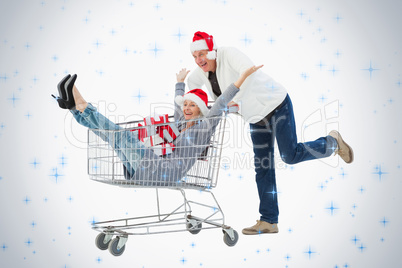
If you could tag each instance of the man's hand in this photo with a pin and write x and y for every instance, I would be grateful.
(233, 107)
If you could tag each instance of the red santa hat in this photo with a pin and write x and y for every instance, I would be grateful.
(204, 41)
(198, 96)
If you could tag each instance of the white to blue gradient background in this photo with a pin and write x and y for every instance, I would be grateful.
(340, 61)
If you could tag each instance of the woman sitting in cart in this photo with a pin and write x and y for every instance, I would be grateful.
(140, 162)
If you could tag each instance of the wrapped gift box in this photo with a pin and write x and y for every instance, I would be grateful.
(157, 119)
(153, 140)
(163, 149)
(158, 137)
(142, 132)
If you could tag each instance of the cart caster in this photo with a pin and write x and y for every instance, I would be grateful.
(193, 227)
(102, 240)
(230, 237)
(118, 245)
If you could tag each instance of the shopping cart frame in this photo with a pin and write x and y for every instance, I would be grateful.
(180, 218)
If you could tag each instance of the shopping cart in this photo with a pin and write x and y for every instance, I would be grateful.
(107, 165)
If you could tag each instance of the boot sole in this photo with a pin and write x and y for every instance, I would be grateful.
(258, 233)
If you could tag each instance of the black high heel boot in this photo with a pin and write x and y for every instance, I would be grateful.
(65, 88)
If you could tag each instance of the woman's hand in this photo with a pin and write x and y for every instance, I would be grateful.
(181, 76)
(246, 74)
(251, 70)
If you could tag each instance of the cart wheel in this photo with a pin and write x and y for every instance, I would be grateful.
(113, 247)
(195, 230)
(99, 241)
(228, 241)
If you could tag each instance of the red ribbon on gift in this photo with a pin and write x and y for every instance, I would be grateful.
(149, 134)
(142, 132)
(168, 132)
(154, 120)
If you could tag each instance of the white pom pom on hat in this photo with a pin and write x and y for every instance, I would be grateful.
(204, 41)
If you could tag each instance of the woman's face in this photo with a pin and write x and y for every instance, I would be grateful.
(201, 60)
(190, 110)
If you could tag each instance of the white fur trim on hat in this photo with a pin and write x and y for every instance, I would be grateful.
(192, 97)
(198, 45)
(202, 45)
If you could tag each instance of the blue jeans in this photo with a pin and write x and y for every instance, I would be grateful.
(282, 127)
(124, 142)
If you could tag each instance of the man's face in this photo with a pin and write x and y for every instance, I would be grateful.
(201, 60)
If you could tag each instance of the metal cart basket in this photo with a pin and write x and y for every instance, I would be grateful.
(113, 164)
